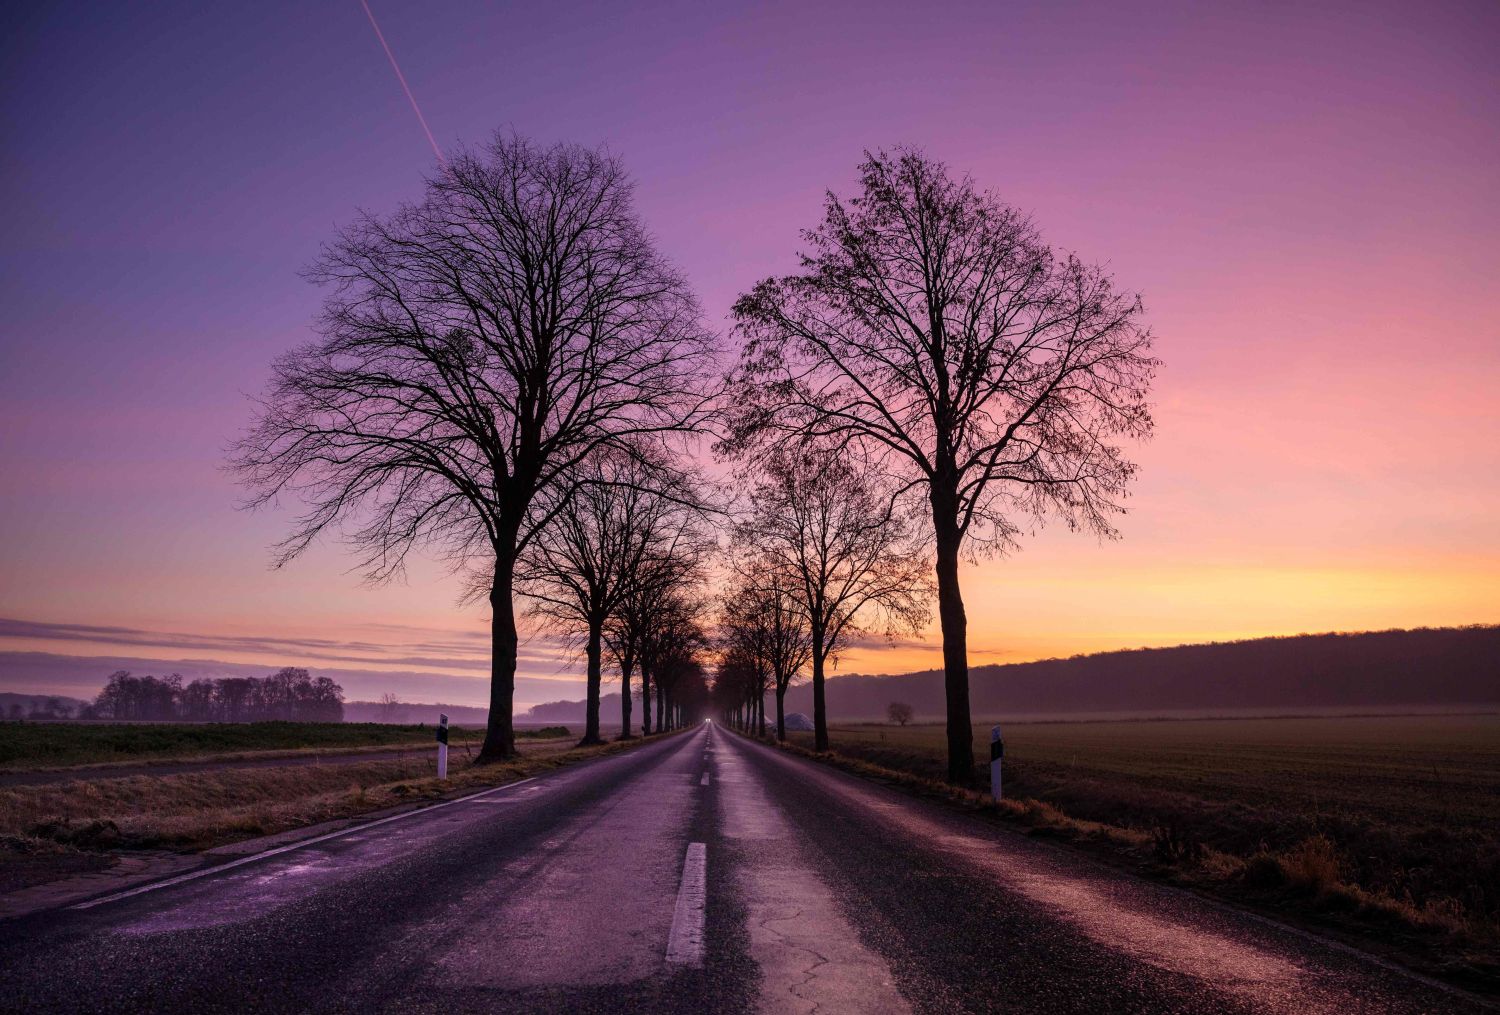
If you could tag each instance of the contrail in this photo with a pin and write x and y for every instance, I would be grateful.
(405, 87)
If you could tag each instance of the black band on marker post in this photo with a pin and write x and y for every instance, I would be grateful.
(997, 749)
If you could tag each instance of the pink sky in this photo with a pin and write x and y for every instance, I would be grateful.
(1305, 196)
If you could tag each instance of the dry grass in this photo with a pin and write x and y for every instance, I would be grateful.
(27, 746)
(36, 745)
(200, 810)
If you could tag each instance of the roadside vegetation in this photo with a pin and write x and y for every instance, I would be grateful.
(200, 810)
(1378, 828)
(29, 745)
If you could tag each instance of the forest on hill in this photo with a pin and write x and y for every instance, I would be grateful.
(1423, 667)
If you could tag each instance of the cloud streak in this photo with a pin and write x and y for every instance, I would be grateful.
(454, 652)
(84, 676)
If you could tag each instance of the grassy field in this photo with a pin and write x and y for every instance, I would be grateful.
(50, 830)
(1395, 816)
(1408, 770)
(31, 745)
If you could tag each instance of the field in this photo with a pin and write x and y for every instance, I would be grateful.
(31, 745)
(47, 831)
(1406, 770)
(1395, 816)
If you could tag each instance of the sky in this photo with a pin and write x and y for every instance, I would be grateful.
(1304, 193)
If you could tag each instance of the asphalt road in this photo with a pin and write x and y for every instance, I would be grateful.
(699, 873)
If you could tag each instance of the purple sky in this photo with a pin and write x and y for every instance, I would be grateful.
(1304, 192)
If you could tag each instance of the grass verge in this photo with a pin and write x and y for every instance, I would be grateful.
(73, 820)
(34, 745)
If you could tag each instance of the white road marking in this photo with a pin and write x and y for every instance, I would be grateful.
(705, 780)
(195, 875)
(685, 942)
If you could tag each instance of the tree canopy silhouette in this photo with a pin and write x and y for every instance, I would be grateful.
(831, 537)
(476, 348)
(600, 547)
(932, 326)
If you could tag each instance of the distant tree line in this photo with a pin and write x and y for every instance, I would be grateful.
(40, 708)
(289, 694)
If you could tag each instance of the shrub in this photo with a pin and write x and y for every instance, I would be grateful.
(1174, 844)
(1312, 865)
(1263, 870)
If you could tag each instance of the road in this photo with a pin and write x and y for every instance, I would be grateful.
(698, 873)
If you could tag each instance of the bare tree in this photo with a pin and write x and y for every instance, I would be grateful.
(841, 550)
(931, 326)
(675, 550)
(476, 347)
(764, 623)
(671, 635)
(391, 709)
(678, 661)
(745, 652)
(580, 568)
(898, 712)
(736, 680)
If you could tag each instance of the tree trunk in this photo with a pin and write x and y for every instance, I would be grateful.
(820, 712)
(645, 699)
(627, 663)
(955, 626)
(760, 709)
(780, 713)
(595, 678)
(500, 735)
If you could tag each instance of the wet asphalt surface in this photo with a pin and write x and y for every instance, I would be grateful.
(824, 893)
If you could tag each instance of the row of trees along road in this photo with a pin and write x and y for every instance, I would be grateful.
(823, 552)
(509, 375)
(933, 331)
(479, 349)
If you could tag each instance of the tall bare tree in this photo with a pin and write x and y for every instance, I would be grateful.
(671, 636)
(745, 649)
(580, 568)
(840, 548)
(678, 661)
(931, 325)
(763, 622)
(475, 348)
(675, 548)
(736, 681)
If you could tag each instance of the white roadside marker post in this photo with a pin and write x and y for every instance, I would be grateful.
(442, 742)
(997, 752)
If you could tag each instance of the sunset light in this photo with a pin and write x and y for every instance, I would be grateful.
(550, 507)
